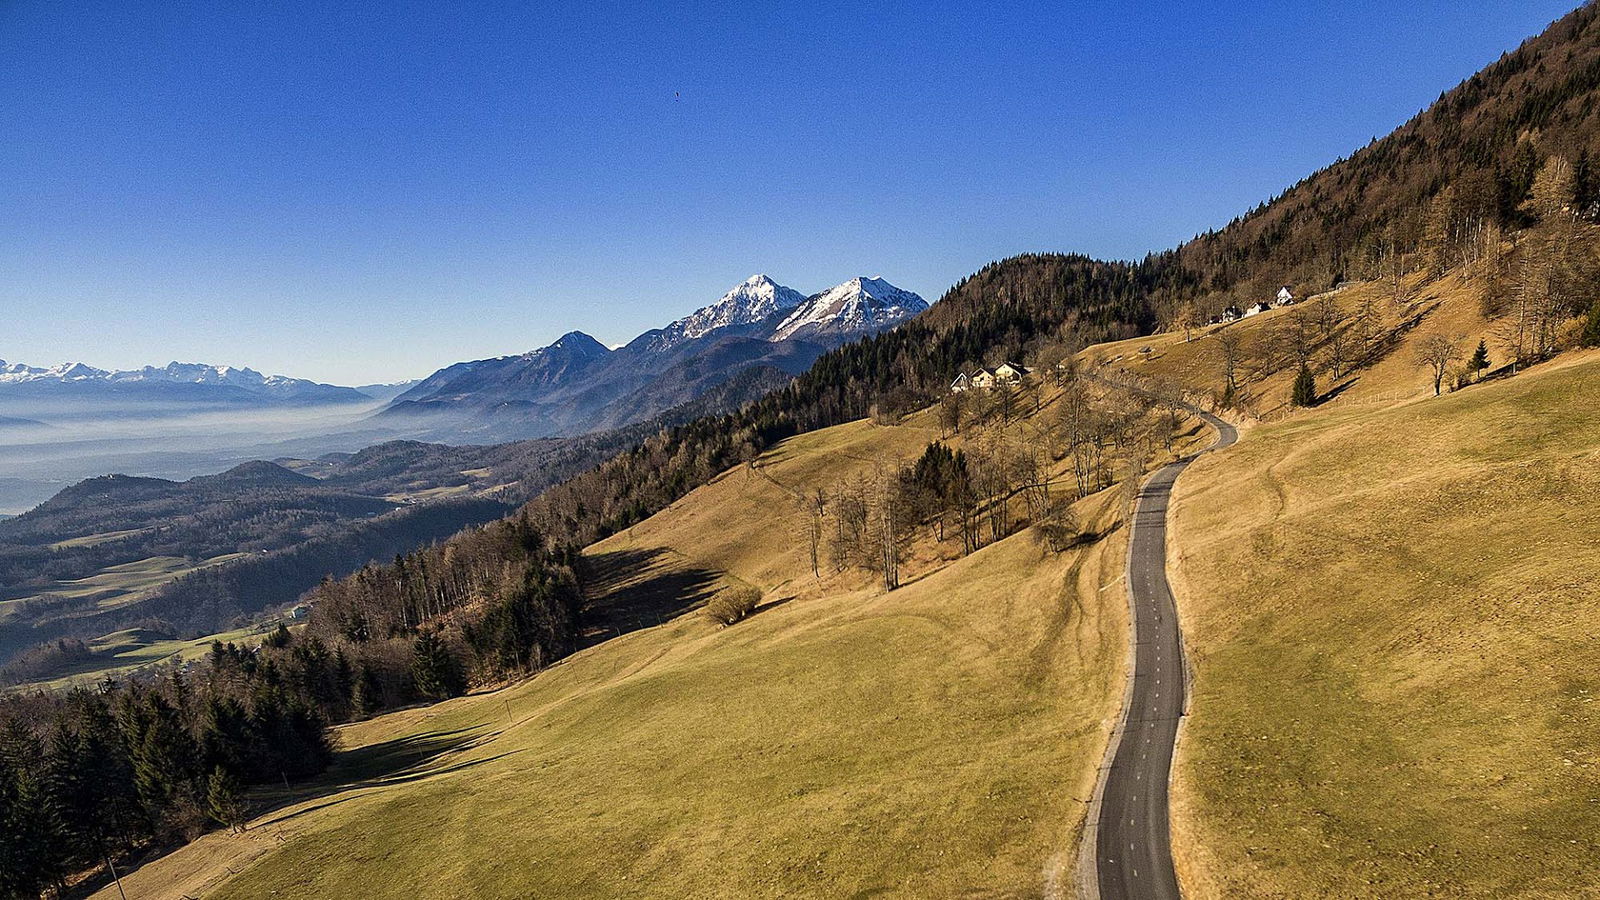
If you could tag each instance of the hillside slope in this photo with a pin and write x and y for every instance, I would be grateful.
(935, 740)
(1390, 609)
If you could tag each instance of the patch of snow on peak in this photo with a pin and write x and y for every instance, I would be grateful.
(752, 300)
(858, 305)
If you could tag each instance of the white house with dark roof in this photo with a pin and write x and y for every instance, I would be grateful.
(1010, 373)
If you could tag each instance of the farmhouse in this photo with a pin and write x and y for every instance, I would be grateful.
(1232, 314)
(1257, 309)
(1010, 373)
(1285, 296)
(987, 379)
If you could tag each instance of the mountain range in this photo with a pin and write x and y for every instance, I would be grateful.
(760, 332)
(222, 385)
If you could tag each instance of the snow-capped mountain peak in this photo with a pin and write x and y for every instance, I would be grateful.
(859, 305)
(244, 381)
(752, 300)
(16, 373)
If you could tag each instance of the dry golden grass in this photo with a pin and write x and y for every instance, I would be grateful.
(938, 740)
(1392, 612)
(1450, 306)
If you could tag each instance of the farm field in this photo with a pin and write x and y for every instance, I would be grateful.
(121, 652)
(116, 585)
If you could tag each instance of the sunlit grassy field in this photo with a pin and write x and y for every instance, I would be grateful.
(122, 652)
(1392, 612)
(1448, 306)
(939, 740)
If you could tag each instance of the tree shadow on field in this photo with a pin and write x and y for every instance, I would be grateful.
(1338, 389)
(394, 761)
(633, 589)
(383, 764)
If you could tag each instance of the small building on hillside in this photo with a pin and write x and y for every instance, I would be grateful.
(1231, 314)
(983, 378)
(1009, 373)
(1257, 309)
(1285, 296)
(961, 383)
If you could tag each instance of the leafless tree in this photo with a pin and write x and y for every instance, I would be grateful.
(1186, 318)
(1436, 352)
(952, 412)
(1230, 352)
(816, 507)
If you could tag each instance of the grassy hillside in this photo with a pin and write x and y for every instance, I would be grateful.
(1391, 611)
(1451, 306)
(937, 740)
(122, 652)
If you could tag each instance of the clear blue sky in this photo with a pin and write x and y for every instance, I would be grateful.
(363, 191)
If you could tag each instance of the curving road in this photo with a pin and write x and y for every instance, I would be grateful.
(1132, 845)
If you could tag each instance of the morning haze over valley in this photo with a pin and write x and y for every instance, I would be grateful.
(768, 450)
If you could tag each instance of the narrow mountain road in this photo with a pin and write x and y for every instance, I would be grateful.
(1132, 843)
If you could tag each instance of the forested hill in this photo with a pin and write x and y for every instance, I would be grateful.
(1475, 152)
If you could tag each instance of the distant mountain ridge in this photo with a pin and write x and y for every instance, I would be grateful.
(577, 384)
(232, 382)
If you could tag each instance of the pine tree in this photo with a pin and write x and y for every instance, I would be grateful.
(434, 669)
(225, 800)
(1591, 328)
(366, 695)
(1305, 388)
(164, 759)
(1480, 359)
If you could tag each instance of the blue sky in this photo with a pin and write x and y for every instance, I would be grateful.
(367, 191)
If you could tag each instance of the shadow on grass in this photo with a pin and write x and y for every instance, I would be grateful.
(634, 589)
(417, 774)
(398, 761)
(395, 761)
(1334, 392)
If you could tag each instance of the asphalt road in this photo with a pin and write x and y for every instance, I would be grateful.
(1133, 847)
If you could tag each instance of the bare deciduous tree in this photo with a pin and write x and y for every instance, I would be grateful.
(1436, 352)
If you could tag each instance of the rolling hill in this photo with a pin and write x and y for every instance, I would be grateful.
(936, 739)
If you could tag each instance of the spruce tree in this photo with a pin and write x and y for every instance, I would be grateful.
(434, 669)
(225, 800)
(1305, 388)
(366, 694)
(1480, 359)
(164, 759)
(1591, 327)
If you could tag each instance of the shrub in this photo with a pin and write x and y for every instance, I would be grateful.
(733, 604)
(1058, 527)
